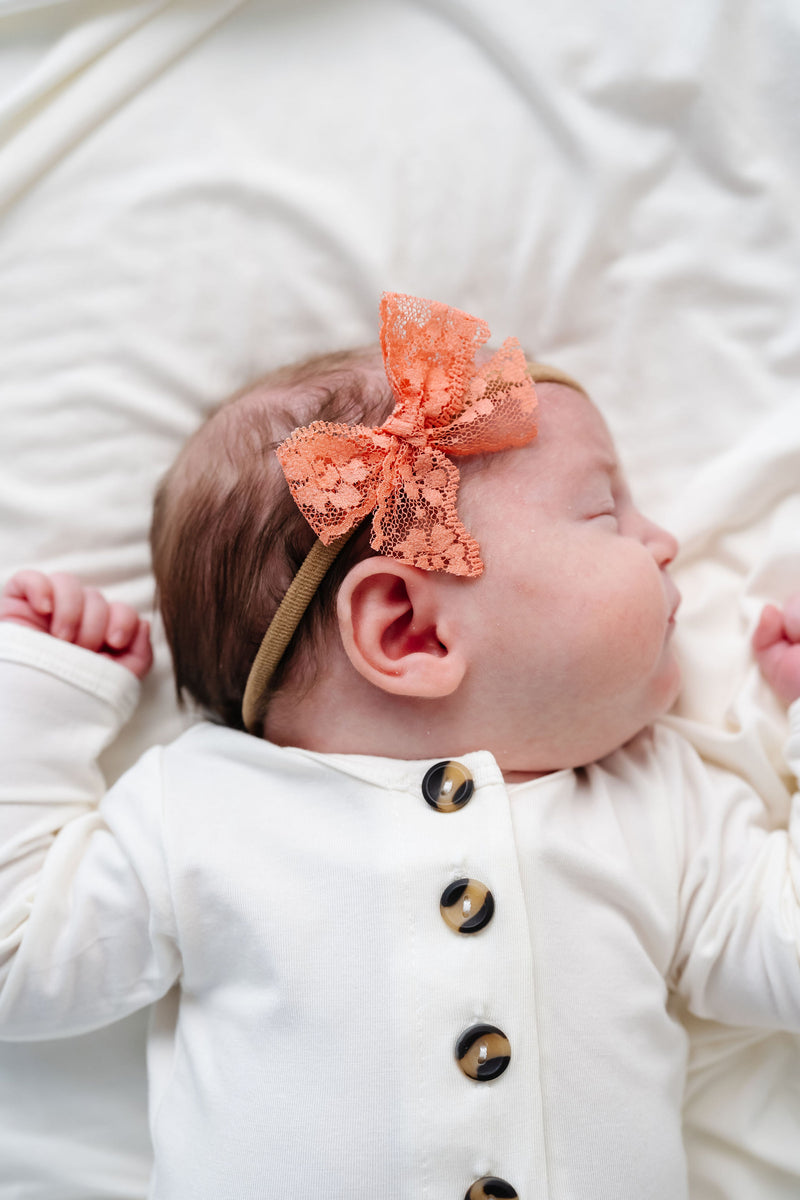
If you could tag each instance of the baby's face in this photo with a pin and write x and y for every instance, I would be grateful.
(574, 612)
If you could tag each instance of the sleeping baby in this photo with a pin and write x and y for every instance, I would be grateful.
(410, 902)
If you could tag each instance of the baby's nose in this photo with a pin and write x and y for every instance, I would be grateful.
(663, 544)
(667, 546)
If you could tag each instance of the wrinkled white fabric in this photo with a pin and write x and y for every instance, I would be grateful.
(193, 193)
(293, 897)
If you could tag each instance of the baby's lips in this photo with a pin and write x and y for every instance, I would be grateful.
(674, 597)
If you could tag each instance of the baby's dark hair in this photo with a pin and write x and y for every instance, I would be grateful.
(227, 538)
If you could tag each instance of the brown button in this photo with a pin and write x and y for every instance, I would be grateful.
(467, 905)
(447, 786)
(483, 1052)
(490, 1185)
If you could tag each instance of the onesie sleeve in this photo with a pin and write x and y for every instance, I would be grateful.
(86, 927)
(738, 945)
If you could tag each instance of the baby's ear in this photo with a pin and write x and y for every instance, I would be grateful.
(399, 630)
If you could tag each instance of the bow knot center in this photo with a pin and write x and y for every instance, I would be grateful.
(406, 428)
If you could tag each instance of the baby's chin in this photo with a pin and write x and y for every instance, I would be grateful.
(664, 696)
(618, 728)
(672, 686)
(664, 693)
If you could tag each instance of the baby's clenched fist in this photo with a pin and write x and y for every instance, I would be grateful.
(776, 644)
(60, 605)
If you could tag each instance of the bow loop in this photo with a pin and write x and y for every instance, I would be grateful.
(428, 353)
(333, 473)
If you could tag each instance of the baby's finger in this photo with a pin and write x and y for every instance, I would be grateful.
(769, 629)
(791, 617)
(67, 606)
(34, 587)
(123, 621)
(91, 632)
(138, 656)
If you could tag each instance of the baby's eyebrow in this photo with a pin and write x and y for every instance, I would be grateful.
(603, 465)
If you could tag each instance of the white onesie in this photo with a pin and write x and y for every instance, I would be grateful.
(297, 918)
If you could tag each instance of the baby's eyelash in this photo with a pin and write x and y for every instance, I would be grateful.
(604, 512)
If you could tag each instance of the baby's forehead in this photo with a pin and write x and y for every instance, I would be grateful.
(572, 454)
(561, 406)
(572, 433)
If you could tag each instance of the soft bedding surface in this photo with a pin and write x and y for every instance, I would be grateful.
(193, 193)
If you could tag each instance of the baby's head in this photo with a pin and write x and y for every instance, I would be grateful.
(556, 653)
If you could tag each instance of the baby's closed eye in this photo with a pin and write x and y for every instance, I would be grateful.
(599, 508)
(606, 520)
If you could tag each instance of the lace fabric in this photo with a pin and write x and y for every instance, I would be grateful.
(446, 406)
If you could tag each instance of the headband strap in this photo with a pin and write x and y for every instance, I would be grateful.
(305, 585)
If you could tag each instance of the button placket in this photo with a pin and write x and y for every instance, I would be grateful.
(467, 906)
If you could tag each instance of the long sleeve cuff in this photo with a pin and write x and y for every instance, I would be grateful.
(60, 706)
(95, 674)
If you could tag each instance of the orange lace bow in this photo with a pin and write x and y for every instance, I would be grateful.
(339, 474)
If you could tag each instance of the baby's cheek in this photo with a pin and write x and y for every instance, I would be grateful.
(647, 627)
(651, 656)
(634, 624)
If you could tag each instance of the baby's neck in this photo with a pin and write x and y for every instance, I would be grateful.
(390, 727)
(344, 716)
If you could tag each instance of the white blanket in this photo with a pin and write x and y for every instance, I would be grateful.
(195, 191)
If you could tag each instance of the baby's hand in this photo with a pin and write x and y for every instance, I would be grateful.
(776, 643)
(60, 605)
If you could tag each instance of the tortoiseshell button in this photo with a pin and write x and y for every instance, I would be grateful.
(467, 905)
(490, 1186)
(483, 1052)
(447, 786)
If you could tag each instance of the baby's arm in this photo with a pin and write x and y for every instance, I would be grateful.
(86, 927)
(776, 644)
(740, 958)
(58, 604)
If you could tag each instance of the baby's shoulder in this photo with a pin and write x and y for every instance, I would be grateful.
(208, 749)
(657, 753)
(663, 764)
(209, 759)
